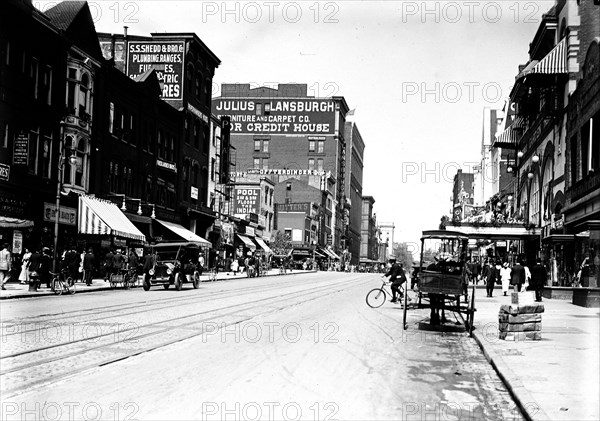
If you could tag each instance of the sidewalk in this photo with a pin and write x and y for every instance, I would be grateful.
(17, 290)
(556, 378)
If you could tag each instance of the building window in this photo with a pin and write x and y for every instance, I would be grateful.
(48, 85)
(320, 164)
(267, 108)
(213, 163)
(84, 87)
(321, 146)
(159, 145)
(205, 137)
(265, 146)
(196, 134)
(34, 74)
(34, 148)
(266, 195)
(311, 163)
(256, 163)
(534, 204)
(5, 136)
(265, 163)
(188, 125)
(595, 143)
(585, 149)
(256, 145)
(258, 108)
(189, 75)
(574, 168)
(198, 83)
(47, 155)
(311, 145)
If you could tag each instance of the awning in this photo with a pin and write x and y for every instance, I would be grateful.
(263, 245)
(331, 254)
(511, 135)
(7, 222)
(102, 217)
(247, 241)
(184, 233)
(555, 62)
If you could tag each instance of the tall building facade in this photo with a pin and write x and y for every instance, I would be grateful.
(284, 133)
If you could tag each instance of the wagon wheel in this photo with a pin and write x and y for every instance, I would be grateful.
(405, 308)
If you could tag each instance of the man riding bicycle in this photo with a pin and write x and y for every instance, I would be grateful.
(397, 278)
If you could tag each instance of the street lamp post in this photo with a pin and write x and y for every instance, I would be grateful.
(59, 183)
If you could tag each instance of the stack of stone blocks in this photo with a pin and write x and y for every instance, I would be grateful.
(522, 319)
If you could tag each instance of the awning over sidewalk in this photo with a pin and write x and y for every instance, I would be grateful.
(511, 135)
(247, 241)
(331, 254)
(8, 222)
(263, 245)
(102, 217)
(184, 233)
(554, 63)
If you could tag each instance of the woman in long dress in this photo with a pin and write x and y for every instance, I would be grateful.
(505, 277)
(24, 275)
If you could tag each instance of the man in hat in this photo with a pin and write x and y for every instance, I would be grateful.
(5, 264)
(397, 278)
(517, 276)
(89, 262)
(539, 277)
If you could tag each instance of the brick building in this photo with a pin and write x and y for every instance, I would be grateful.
(284, 133)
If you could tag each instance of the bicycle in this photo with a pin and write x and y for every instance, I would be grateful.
(62, 282)
(377, 296)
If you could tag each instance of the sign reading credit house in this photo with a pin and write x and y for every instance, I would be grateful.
(278, 115)
(166, 57)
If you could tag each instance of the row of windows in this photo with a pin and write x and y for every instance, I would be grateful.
(262, 145)
(79, 93)
(40, 74)
(269, 195)
(122, 181)
(198, 85)
(197, 133)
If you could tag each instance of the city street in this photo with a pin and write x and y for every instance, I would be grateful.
(303, 346)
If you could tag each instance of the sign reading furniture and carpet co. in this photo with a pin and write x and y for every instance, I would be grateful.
(165, 57)
(247, 200)
(278, 115)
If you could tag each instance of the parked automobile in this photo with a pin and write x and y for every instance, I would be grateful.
(174, 264)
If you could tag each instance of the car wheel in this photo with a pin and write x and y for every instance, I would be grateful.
(146, 286)
(178, 282)
(196, 280)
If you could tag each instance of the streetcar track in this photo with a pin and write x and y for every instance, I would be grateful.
(149, 325)
(11, 392)
(160, 305)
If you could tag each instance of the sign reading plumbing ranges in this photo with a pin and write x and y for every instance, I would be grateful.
(247, 200)
(278, 115)
(165, 57)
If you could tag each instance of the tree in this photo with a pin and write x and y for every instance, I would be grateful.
(282, 244)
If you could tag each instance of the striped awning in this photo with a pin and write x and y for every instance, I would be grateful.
(8, 222)
(263, 245)
(554, 63)
(511, 135)
(247, 241)
(102, 217)
(184, 233)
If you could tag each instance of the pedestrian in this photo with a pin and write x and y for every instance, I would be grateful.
(149, 261)
(44, 270)
(89, 263)
(35, 266)
(119, 261)
(486, 275)
(133, 260)
(234, 266)
(201, 263)
(395, 273)
(71, 263)
(517, 276)
(477, 268)
(108, 264)
(5, 264)
(24, 275)
(539, 277)
(527, 278)
(505, 277)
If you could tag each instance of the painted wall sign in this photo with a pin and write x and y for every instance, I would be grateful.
(21, 149)
(247, 200)
(165, 57)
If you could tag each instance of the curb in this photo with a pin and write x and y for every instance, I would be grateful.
(108, 288)
(529, 408)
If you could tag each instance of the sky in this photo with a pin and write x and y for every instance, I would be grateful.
(418, 74)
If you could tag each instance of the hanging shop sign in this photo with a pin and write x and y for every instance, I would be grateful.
(166, 165)
(67, 216)
(4, 172)
(194, 193)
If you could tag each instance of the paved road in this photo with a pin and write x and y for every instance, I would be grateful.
(297, 347)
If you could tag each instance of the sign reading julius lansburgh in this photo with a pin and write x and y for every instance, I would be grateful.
(278, 115)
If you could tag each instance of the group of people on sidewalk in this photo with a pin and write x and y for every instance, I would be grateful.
(519, 276)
